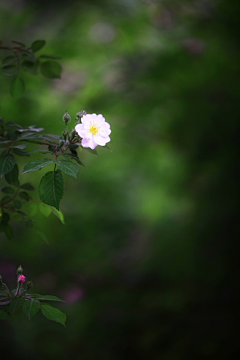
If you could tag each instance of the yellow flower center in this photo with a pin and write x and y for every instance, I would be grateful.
(93, 129)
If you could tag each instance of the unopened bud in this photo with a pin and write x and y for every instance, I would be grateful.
(80, 114)
(66, 118)
(19, 270)
(64, 134)
(29, 284)
(21, 279)
(61, 143)
(72, 135)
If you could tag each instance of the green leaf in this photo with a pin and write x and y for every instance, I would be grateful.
(59, 214)
(49, 57)
(68, 167)
(5, 218)
(38, 151)
(8, 190)
(17, 204)
(27, 186)
(18, 43)
(47, 297)
(17, 87)
(12, 177)
(18, 218)
(94, 152)
(16, 304)
(4, 315)
(36, 165)
(20, 152)
(10, 70)
(10, 123)
(21, 147)
(24, 195)
(5, 199)
(51, 188)
(54, 314)
(31, 307)
(38, 45)
(74, 157)
(51, 69)
(9, 232)
(30, 67)
(8, 60)
(44, 209)
(30, 208)
(42, 235)
(7, 163)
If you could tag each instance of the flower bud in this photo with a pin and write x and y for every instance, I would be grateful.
(29, 285)
(61, 143)
(64, 134)
(19, 271)
(21, 279)
(72, 135)
(66, 118)
(80, 114)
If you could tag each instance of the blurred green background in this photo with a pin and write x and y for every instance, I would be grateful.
(148, 259)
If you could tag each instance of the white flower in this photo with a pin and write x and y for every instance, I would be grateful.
(93, 130)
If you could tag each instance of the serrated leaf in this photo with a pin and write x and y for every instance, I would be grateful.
(20, 152)
(51, 69)
(36, 165)
(7, 163)
(41, 234)
(47, 298)
(54, 314)
(8, 190)
(23, 195)
(16, 304)
(31, 307)
(12, 177)
(17, 87)
(38, 151)
(74, 157)
(38, 45)
(59, 214)
(9, 60)
(4, 315)
(44, 209)
(49, 57)
(27, 186)
(30, 66)
(51, 188)
(67, 167)
(21, 146)
(10, 70)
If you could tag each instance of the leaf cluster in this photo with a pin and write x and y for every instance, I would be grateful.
(20, 58)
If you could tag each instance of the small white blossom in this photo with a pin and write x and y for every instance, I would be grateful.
(93, 130)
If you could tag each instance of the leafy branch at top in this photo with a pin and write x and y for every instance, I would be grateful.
(20, 57)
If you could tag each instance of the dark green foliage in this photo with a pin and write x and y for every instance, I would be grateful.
(51, 188)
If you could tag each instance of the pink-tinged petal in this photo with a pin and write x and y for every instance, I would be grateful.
(86, 118)
(104, 130)
(101, 140)
(100, 119)
(81, 131)
(89, 143)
